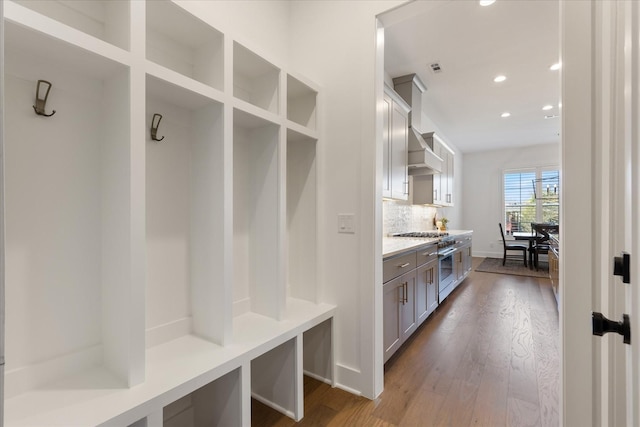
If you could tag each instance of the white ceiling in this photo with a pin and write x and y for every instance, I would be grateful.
(473, 44)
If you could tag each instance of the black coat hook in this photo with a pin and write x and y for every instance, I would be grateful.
(154, 127)
(40, 101)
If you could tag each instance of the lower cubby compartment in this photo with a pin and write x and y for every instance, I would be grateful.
(317, 352)
(276, 379)
(215, 404)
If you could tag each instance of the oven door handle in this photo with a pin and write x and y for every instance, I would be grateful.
(447, 252)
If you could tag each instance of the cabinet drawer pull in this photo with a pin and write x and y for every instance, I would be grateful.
(429, 253)
(406, 264)
(406, 291)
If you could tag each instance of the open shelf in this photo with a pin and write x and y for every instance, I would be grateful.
(185, 216)
(102, 19)
(215, 404)
(67, 207)
(276, 379)
(255, 80)
(318, 352)
(301, 103)
(183, 43)
(256, 229)
(302, 208)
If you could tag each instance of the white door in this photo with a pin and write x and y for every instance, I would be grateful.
(600, 210)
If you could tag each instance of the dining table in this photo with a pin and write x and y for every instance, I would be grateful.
(538, 230)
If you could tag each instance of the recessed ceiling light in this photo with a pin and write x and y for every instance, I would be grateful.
(506, 114)
(547, 107)
(500, 78)
(487, 2)
(555, 67)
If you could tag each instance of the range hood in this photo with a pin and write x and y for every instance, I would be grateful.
(422, 159)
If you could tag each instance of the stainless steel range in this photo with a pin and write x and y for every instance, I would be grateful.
(422, 234)
(446, 248)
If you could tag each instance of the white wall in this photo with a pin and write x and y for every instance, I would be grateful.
(482, 190)
(333, 43)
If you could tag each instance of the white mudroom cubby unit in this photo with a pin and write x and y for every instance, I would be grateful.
(144, 277)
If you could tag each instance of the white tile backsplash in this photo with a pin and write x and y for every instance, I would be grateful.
(399, 217)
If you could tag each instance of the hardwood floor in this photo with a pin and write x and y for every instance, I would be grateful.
(489, 356)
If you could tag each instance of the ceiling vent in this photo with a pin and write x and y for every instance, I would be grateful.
(435, 67)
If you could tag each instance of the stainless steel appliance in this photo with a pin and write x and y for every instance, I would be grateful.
(446, 248)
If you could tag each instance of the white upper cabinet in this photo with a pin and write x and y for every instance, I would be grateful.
(435, 189)
(395, 146)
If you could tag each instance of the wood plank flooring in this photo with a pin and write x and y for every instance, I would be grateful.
(489, 356)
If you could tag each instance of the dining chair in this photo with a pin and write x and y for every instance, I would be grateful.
(541, 243)
(514, 247)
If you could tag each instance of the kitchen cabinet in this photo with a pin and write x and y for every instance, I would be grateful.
(399, 301)
(437, 188)
(399, 308)
(231, 179)
(463, 258)
(426, 282)
(395, 141)
(426, 290)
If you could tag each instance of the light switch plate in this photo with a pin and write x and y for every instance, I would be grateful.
(346, 223)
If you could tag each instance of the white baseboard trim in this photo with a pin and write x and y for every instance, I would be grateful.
(347, 379)
(318, 377)
(275, 406)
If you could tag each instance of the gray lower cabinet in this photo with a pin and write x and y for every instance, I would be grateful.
(426, 290)
(410, 294)
(399, 310)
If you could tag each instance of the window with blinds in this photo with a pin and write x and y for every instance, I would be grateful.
(530, 196)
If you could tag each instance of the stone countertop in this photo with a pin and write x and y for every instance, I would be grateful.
(392, 246)
(396, 245)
